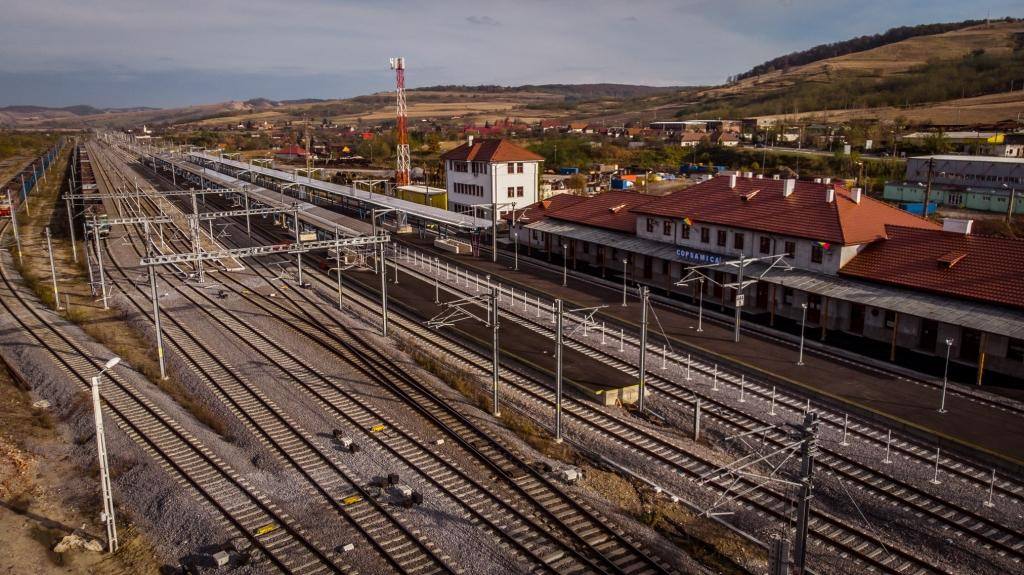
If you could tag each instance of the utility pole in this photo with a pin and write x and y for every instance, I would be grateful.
(14, 225)
(107, 516)
(337, 263)
(156, 305)
(298, 240)
(739, 297)
(383, 293)
(494, 331)
(809, 448)
(644, 298)
(494, 226)
(71, 221)
(197, 238)
(53, 270)
(558, 372)
(928, 187)
(99, 259)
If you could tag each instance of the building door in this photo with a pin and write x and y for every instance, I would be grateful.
(648, 267)
(600, 256)
(813, 308)
(928, 335)
(857, 318)
(970, 344)
(762, 295)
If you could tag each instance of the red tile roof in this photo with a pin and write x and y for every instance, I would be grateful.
(292, 150)
(980, 268)
(609, 210)
(491, 151)
(805, 213)
(539, 210)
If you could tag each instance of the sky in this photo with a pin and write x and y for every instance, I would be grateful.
(121, 53)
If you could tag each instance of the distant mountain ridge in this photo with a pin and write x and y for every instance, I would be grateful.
(602, 90)
(79, 110)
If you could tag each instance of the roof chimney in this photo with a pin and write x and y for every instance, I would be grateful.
(732, 181)
(856, 192)
(760, 176)
(788, 185)
(826, 180)
(469, 140)
(817, 180)
(775, 176)
(748, 175)
(830, 195)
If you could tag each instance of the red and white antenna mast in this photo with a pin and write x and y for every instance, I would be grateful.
(402, 163)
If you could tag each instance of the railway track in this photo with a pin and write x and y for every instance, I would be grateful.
(215, 484)
(326, 478)
(962, 522)
(934, 386)
(827, 531)
(1011, 491)
(600, 549)
(833, 534)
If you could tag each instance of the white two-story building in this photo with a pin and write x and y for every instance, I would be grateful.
(486, 171)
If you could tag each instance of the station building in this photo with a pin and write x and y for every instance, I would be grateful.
(874, 278)
(485, 171)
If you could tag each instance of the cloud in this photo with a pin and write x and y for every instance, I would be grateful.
(482, 21)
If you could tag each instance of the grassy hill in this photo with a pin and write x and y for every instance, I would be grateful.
(965, 63)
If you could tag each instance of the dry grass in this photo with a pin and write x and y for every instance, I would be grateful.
(466, 384)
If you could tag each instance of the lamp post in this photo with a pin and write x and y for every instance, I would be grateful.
(565, 264)
(803, 325)
(107, 516)
(515, 265)
(700, 306)
(625, 262)
(945, 375)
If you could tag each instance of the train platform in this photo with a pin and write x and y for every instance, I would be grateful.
(988, 429)
(581, 375)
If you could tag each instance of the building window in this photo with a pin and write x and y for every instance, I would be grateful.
(787, 296)
(766, 245)
(666, 228)
(650, 225)
(460, 166)
(684, 231)
(586, 247)
(737, 241)
(721, 238)
(479, 168)
(519, 168)
(791, 249)
(705, 235)
(519, 191)
(511, 168)
(816, 253)
(511, 191)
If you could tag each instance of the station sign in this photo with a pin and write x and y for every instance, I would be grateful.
(740, 300)
(698, 257)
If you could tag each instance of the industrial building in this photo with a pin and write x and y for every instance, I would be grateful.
(872, 277)
(983, 183)
(482, 172)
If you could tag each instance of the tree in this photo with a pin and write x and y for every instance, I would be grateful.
(577, 183)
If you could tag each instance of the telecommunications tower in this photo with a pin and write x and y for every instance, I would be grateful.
(402, 162)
